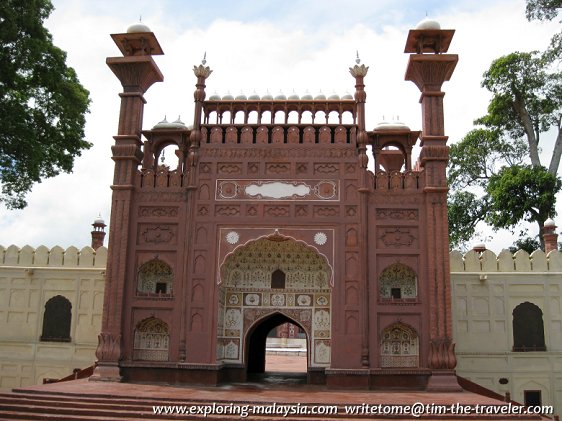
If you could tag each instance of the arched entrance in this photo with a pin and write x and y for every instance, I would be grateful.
(257, 341)
(268, 282)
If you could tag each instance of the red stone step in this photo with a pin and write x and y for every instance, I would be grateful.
(86, 400)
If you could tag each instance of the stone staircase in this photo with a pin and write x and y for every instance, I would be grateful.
(37, 404)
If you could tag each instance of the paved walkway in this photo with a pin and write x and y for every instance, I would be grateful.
(286, 363)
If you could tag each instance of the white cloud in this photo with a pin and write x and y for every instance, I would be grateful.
(306, 47)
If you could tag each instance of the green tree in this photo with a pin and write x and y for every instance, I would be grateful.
(547, 10)
(526, 103)
(42, 103)
(521, 193)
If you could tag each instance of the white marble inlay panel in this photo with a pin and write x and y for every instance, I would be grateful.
(278, 190)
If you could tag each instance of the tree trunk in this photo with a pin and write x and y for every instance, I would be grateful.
(556, 153)
(532, 140)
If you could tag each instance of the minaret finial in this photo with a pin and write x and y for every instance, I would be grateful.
(204, 61)
(357, 60)
(140, 18)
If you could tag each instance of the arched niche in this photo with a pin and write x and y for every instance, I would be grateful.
(151, 341)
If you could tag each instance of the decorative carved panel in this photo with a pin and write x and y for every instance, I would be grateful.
(326, 211)
(277, 168)
(157, 234)
(397, 237)
(227, 210)
(301, 190)
(229, 168)
(398, 214)
(326, 168)
(277, 211)
(165, 211)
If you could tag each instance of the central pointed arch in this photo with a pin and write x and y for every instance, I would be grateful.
(265, 283)
(256, 339)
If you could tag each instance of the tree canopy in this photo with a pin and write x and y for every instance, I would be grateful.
(42, 103)
(495, 172)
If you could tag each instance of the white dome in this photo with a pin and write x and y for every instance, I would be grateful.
(549, 223)
(215, 97)
(347, 96)
(241, 97)
(334, 97)
(294, 97)
(138, 27)
(99, 220)
(306, 97)
(254, 97)
(479, 246)
(280, 96)
(267, 97)
(427, 23)
(228, 97)
(320, 97)
(391, 125)
(164, 124)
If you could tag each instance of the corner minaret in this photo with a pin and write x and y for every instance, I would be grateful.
(136, 71)
(98, 234)
(429, 67)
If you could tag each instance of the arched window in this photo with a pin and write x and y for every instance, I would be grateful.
(155, 277)
(56, 320)
(151, 340)
(398, 282)
(528, 328)
(278, 279)
(399, 346)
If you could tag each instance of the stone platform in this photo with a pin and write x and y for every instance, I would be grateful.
(277, 390)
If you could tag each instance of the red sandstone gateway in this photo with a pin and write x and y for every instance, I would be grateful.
(270, 222)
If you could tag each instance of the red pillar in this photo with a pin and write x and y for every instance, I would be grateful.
(429, 72)
(136, 71)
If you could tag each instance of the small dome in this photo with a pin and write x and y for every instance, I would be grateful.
(294, 97)
(549, 223)
(306, 97)
(427, 23)
(267, 97)
(254, 97)
(215, 97)
(347, 96)
(178, 121)
(392, 125)
(479, 247)
(241, 97)
(320, 97)
(280, 96)
(138, 27)
(164, 124)
(228, 97)
(99, 220)
(334, 97)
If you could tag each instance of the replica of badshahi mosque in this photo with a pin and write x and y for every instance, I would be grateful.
(270, 219)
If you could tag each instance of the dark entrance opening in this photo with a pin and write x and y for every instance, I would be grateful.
(256, 353)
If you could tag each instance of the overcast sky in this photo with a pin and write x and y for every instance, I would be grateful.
(260, 45)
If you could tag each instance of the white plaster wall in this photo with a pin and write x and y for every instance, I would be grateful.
(485, 290)
(28, 279)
